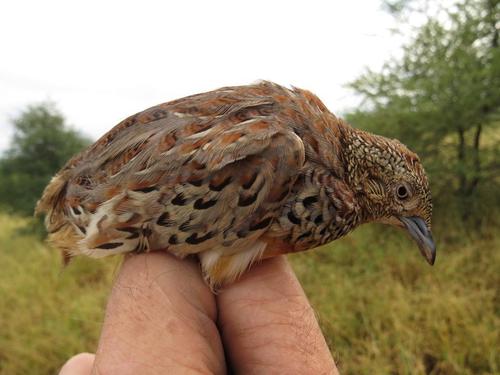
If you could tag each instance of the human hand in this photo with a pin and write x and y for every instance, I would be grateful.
(162, 318)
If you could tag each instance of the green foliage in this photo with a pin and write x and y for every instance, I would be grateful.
(442, 98)
(42, 144)
(382, 308)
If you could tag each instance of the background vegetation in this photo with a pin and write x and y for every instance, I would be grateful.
(42, 144)
(383, 310)
(442, 98)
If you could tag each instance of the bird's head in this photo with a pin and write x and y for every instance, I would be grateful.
(392, 187)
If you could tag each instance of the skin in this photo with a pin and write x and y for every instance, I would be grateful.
(162, 318)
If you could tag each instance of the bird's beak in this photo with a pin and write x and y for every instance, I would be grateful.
(423, 236)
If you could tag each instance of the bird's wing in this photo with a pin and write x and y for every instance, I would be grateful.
(186, 175)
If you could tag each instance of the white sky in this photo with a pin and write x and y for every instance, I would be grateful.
(101, 61)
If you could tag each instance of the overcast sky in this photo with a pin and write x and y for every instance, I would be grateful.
(101, 61)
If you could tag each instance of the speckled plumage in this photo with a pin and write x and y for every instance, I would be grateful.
(232, 175)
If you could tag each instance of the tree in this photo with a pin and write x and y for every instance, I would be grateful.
(41, 145)
(443, 97)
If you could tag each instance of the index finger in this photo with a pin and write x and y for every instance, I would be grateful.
(268, 326)
(159, 319)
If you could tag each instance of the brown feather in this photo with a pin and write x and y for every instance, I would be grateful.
(227, 175)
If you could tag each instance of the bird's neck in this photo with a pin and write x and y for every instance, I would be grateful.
(358, 151)
(364, 159)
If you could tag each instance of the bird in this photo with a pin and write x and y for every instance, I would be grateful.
(234, 176)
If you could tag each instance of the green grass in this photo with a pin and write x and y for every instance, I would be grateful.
(47, 313)
(382, 308)
(385, 311)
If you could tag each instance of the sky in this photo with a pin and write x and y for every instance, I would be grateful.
(101, 61)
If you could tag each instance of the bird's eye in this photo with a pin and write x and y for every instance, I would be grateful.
(402, 192)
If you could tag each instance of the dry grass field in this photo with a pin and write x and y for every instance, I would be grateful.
(382, 308)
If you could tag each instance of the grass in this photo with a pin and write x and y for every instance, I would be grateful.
(385, 311)
(381, 307)
(47, 314)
